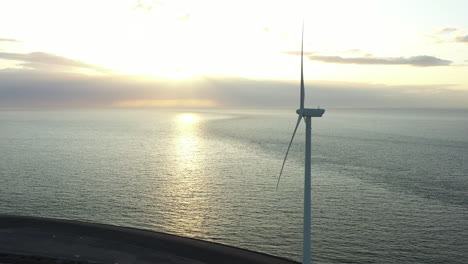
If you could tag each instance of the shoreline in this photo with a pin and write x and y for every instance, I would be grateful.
(78, 241)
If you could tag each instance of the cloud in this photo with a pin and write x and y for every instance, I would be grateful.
(298, 53)
(462, 39)
(450, 35)
(29, 88)
(48, 61)
(447, 30)
(369, 59)
(9, 40)
(352, 51)
(418, 61)
(355, 52)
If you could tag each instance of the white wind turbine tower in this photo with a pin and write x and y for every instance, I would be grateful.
(307, 114)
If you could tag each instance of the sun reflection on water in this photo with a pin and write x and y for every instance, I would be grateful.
(187, 143)
(188, 203)
(188, 118)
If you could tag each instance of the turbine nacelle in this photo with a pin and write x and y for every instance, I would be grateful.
(312, 112)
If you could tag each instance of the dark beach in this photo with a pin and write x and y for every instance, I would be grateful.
(43, 240)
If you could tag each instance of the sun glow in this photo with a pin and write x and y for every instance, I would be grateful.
(165, 103)
(188, 118)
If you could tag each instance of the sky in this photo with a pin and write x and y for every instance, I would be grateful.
(178, 53)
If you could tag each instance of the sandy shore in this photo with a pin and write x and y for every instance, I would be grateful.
(78, 242)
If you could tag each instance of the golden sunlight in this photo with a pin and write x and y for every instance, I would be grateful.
(188, 118)
(188, 179)
(165, 103)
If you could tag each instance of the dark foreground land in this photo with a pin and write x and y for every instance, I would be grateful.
(33, 240)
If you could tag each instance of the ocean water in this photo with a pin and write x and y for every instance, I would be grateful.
(389, 186)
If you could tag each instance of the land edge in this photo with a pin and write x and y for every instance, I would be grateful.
(111, 244)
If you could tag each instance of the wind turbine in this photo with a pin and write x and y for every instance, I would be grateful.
(307, 114)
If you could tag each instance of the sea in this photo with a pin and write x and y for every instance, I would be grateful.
(388, 185)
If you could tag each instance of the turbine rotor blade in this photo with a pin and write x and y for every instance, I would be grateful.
(302, 69)
(289, 147)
